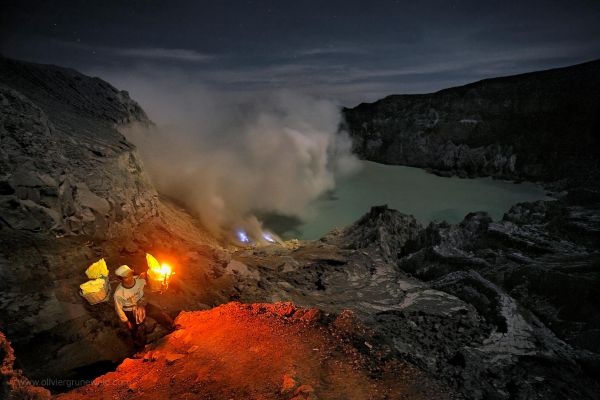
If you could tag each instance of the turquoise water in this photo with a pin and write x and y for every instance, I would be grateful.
(410, 190)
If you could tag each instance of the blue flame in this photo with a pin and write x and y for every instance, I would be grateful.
(242, 236)
(268, 237)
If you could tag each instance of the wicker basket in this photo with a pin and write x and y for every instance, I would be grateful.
(100, 296)
(155, 285)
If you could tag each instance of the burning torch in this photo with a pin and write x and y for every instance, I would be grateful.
(158, 274)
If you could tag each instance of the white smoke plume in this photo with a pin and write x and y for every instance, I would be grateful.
(226, 157)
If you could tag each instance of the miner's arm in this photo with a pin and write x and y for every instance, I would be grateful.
(143, 301)
(119, 309)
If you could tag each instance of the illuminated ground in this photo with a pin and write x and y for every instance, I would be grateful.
(262, 351)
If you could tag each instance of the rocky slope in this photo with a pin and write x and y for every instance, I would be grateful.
(535, 126)
(263, 351)
(501, 310)
(72, 190)
(61, 155)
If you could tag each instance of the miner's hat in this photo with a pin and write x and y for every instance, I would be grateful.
(124, 271)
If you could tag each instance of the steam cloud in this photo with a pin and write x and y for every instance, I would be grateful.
(226, 157)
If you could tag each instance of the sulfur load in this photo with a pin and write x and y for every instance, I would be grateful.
(93, 286)
(97, 269)
(152, 262)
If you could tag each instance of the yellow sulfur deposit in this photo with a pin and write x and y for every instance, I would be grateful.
(152, 262)
(97, 269)
(92, 286)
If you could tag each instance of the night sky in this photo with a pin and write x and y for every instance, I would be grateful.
(350, 51)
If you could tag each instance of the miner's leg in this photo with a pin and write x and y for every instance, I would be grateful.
(140, 334)
(160, 316)
(138, 331)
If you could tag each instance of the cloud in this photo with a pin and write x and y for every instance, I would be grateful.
(347, 72)
(473, 64)
(156, 53)
(332, 50)
(163, 53)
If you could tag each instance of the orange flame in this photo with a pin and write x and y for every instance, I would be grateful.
(158, 272)
(165, 270)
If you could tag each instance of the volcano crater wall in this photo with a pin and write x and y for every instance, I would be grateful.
(537, 126)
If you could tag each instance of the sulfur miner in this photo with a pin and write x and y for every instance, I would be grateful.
(131, 305)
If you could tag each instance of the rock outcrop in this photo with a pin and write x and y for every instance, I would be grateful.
(13, 384)
(64, 166)
(505, 309)
(530, 279)
(535, 126)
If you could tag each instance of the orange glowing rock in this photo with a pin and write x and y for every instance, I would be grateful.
(288, 385)
(224, 366)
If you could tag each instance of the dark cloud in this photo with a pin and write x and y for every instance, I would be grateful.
(350, 51)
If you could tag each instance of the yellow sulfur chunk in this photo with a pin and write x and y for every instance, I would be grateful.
(92, 286)
(97, 269)
(152, 262)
